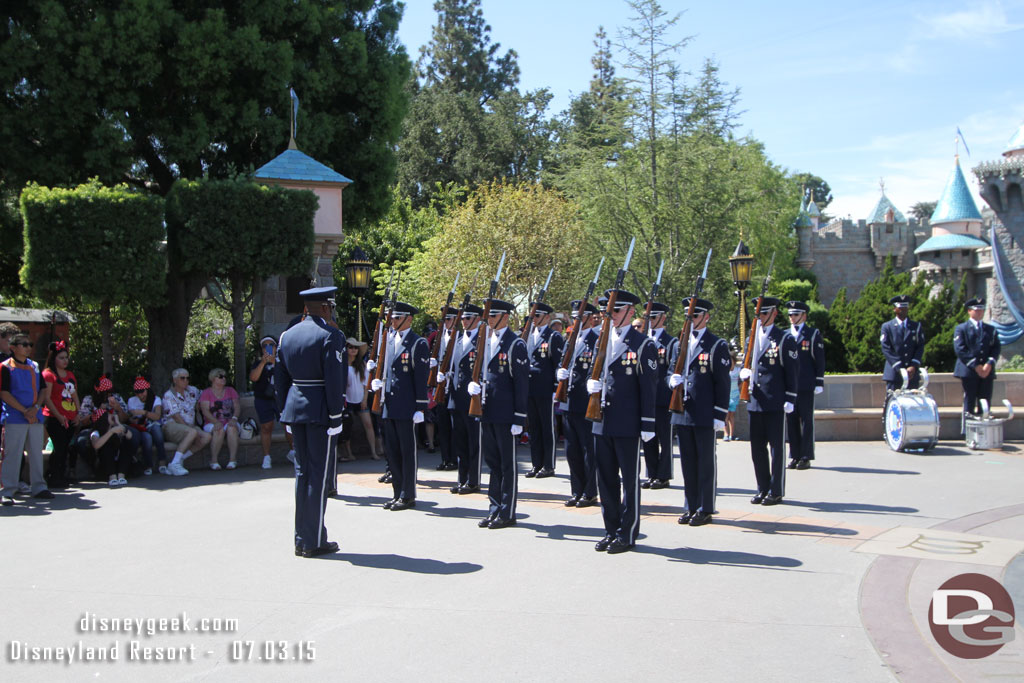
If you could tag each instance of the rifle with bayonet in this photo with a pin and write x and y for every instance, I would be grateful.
(748, 357)
(441, 393)
(562, 392)
(476, 403)
(380, 331)
(676, 403)
(595, 411)
(382, 356)
(525, 334)
(432, 375)
(650, 299)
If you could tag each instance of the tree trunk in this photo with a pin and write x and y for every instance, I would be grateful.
(167, 327)
(238, 302)
(107, 345)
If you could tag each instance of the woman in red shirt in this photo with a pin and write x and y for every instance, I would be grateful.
(60, 410)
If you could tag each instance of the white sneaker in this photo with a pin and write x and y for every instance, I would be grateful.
(121, 481)
(232, 465)
(112, 483)
(24, 488)
(266, 462)
(214, 466)
(148, 471)
(163, 470)
(291, 457)
(177, 469)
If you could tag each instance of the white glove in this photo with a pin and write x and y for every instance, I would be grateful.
(745, 374)
(818, 390)
(433, 362)
(594, 386)
(288, 429)
(719, 424)
(561, 374)
(647, 436)
(516, 430)
(674, 381)
(371, 365)
(376, 385)
(473, 389)
(788, 407)
(417, 417)
(442, 378)
(334, 431)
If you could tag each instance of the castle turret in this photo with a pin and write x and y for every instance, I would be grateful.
(956, 232)
(888, 231)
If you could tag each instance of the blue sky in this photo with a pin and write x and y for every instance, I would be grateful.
(853, 92)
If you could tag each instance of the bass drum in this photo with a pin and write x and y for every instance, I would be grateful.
(911, 422)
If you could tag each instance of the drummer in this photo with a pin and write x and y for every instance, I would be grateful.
(902, 346)
(977, 349)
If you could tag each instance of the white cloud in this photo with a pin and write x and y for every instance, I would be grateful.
(979, 21)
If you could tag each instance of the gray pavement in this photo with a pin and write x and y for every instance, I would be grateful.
(769, 594)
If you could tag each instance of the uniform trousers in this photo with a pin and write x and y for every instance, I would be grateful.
(540, 412)
(658, 451)
(499, 450)
(768, 429)
(700, 467)
(620, 505)
(800, 427)
(465, 441)
(400, 449)
(312, 455)
(443, 431)
(581, 455)
(976, 388)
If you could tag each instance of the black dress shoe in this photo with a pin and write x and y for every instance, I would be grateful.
(792, 464)
(387, 505)
(756, 500)
(700, 519)
(325, 549)
(499, 523)
(533, 472)
(573, 502)
(685, 517)
(659, 483)
(586, 502)
(771, 500)
(545, 472)
(468, 488)
(403, 504)
(603, 544)
(485, 522)
(804, 465)
(455, 489)
(442, 467)
(618, 546)
(452, 466)
(646, 484)
(385, 478)
(332, 493)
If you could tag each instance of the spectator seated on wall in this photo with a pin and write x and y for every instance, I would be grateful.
(221, 408)
(104, 416)
(179, 421)
(145, 409)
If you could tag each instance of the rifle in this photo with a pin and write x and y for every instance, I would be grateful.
(441, 393)
(476, 403)
(676, 404)
(382, 321)
(650, 299)
(562, 392)
(749, 356)
(533, 309)
(378, 397)
(432, 375)
(594, 408)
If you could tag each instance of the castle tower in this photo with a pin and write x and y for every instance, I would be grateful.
(1001, 183)
(888, 233)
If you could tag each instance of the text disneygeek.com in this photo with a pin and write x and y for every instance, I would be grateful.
(140, 645)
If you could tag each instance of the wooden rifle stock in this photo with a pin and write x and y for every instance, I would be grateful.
(441, 392)
(748, 355)
(562, 391)
(528, 325)
(594, 411)
(476, 405)
(676, 404)
(432, 375)
(376, 342)
(382, 357)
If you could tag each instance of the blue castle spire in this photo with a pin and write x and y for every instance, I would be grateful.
(956, 203)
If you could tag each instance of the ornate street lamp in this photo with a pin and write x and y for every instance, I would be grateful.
(357, 272)
(742, 265)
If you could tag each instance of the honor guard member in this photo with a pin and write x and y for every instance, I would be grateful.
(545, 347)
(977, 349)
(579, 436)
(443, 418)
(465, 428)
(658, 451)
(902, 346)
(310, 378)
(706, 387)
(505, 384)
(773, 382)
(627, 388)
(407, 363)
(810, 382)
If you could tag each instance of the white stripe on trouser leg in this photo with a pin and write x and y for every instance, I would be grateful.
(714, 470)
(633, 530)
(479, 454)
(554, 435)
(323, 491)
(515, 479)
(415, 461)
(782, 491)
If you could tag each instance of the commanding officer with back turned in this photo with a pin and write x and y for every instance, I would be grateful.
(658, 451)
(902, 346)
(545, 347)
(977, 349)
(810, 381)
(407, 363)
(310, 379)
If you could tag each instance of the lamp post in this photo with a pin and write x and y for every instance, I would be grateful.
(742, 264)
(357, 272)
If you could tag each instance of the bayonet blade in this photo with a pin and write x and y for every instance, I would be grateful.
(629, 254)
(661, 269)
(548, 281)
(704, 275)
(456, 283)
(598, 273)
(501, 266)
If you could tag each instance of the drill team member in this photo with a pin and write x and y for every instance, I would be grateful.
(627, 389)
(579, 437)
(810, 382)
(977, 349)
(465, 428)
(902, 346)
(658, 451)
(310, 379)
(407, 363)
(545, 347)
(506, 383)
(443, 418)
(773, 382)
(706, 387)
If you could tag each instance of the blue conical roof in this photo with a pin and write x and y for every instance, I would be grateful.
(812, 209)
(292, 164)
(802, 221)
(1016, 142)
(956, 202)
(881, 208)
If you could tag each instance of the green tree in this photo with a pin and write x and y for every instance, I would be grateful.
(98, 243)
(816, 187)
(923, 210)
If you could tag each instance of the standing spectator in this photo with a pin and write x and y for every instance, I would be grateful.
(262, 377)
(105, 416)
(61, 411)
(734, 396)
(221, 408)
(355, 396)
(22, 389)
(145, 409)
(179, 407)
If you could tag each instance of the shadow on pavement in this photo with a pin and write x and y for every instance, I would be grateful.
(864, 508)
(32, 507)
(566, 531)
(724, 558)
(864, 470)
(416, 565)
(784, 528)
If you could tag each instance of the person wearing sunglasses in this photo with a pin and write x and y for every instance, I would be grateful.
(465, 428)
(627, 388)
(658, 451)
(545, 347)
(221, 407)
(773, 376)
(810, 382)
(406, 366)
(23, 391)
(179, 422)
(579, 435)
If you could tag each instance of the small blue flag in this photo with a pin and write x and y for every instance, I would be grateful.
(961, 136)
